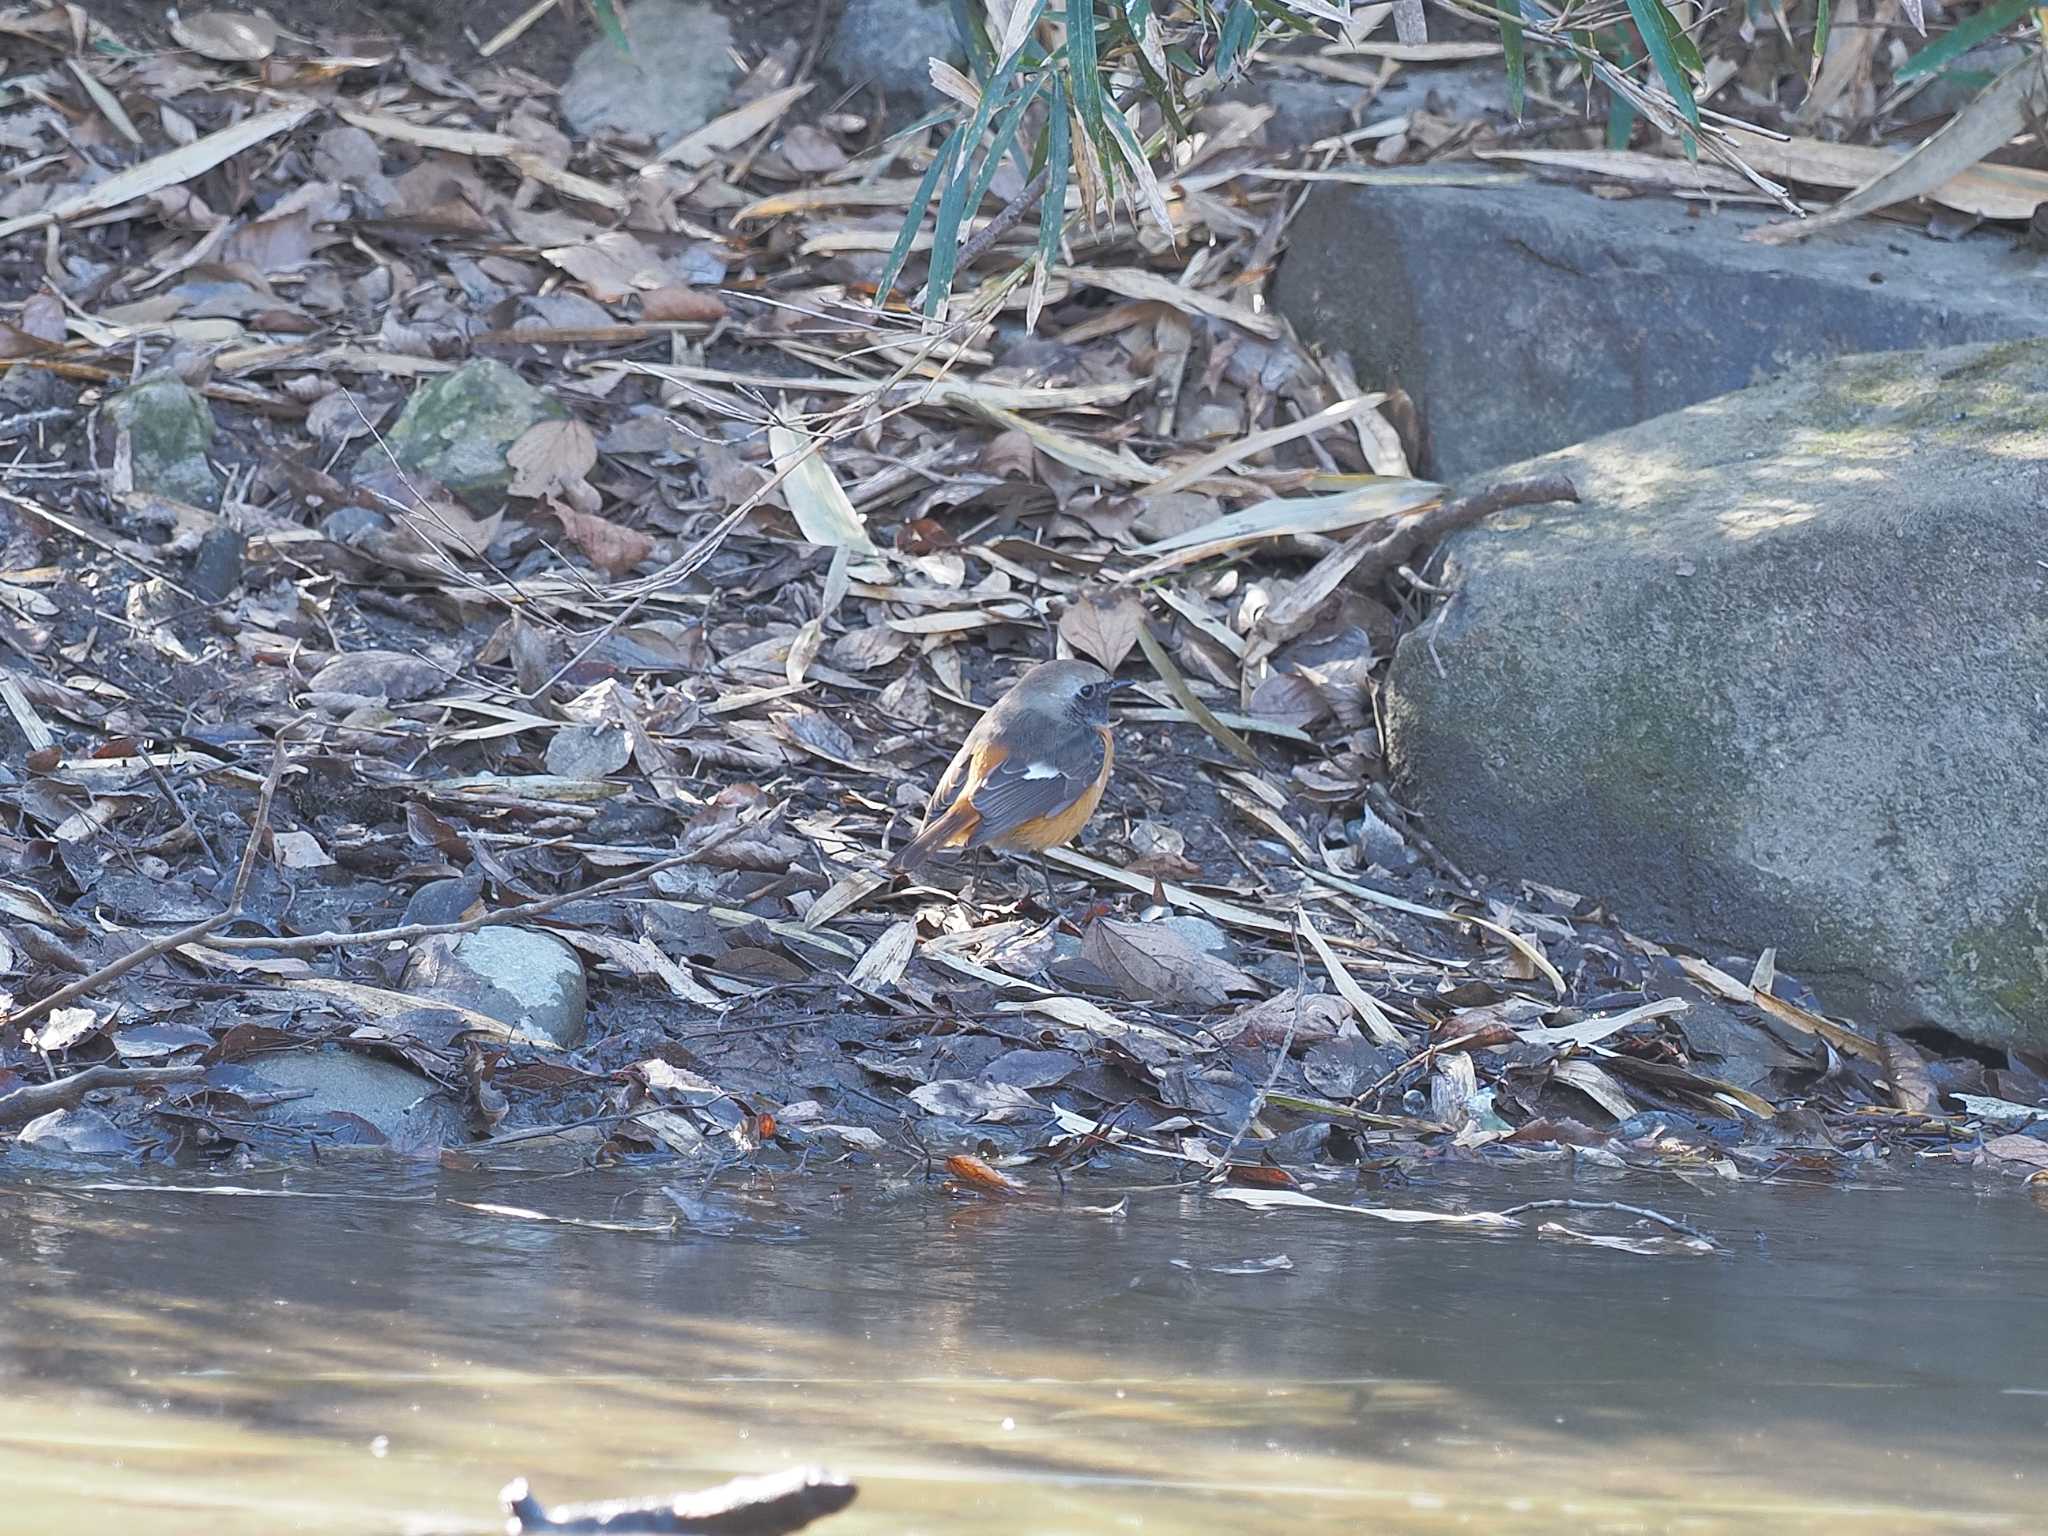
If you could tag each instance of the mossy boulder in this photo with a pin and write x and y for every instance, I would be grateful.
(456, 429)
(1781, 679)
(169, 428)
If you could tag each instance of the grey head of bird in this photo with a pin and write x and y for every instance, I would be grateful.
(1080, 688)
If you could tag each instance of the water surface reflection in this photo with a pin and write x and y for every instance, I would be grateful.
(380, 1359)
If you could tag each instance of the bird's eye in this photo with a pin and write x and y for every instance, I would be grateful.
(1090, 690)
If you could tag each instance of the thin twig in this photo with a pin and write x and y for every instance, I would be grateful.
(1434, 524)
(407, 932)
(25, 1103)
(1000, 225)
(170, 941)
(1222, 1168)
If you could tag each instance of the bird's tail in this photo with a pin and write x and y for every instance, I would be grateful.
(948, 830)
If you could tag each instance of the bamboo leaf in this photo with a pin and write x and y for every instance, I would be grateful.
(973, 40)
(941, 164)
(1658, 29)
(1959, 39)
(1083, 67)
(1240, 25)
(1823, 18)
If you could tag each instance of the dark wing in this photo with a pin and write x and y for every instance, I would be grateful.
(1023, 788)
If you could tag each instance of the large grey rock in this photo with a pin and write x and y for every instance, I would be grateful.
(890, 43)
(525, 978)
(1522, 318)
(1779, 680)
(405, 1106)
(672, 78)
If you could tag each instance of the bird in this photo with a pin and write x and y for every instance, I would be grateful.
(1030, 773)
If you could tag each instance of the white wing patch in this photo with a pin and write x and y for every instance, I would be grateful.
(1041, 771)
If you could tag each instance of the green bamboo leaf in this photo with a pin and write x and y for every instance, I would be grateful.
(1003, 140)
(1621, 117)
(1280, 15)
(1240, 27)
(953, 208)
(1084, 70)
(1059, 161)
(1822, 20)
(1657, 27)
(942, 162)
(1962, 38)
(609, 24)
(1511, 44)
(973, 40)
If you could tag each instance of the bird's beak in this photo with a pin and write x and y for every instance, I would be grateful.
(1118, 684)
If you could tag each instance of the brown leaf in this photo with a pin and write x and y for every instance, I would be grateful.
(226, 37)
(612, 548)
(871, 646)
(611, 266)
(2023, 1155)
(975, 1173)
(1290, 699)
(1010, 456)
(549, 456)
(1150, 962)
(391, 675)
(1913, 1089)
(1324, 1016)
(679, 301)
(1103, 626)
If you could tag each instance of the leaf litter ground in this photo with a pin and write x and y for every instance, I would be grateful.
(657, 635)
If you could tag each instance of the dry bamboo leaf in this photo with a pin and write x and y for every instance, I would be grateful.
(846, 893)
(1375, 1019)
(515, 152)
(1197, 711)
(1283, 517)
(887, 958)
(170, 169)
(1527, 948)
(1995, 115)
(734, 128)
(1342, 412)
(1145, 1041)
(1589, 1079)
(1137, 283)
(1291, 1199)
(824, 513)
(1064, 447)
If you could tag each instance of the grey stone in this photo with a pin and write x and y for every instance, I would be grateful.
(169, 428)
(888, 43)
(673, 78)
(398, 1101)
(1776, 682)
(1307, 109)
(457, 429)
(1522, 318)
(526, 979)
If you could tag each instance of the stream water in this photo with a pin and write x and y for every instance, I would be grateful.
(358, 1351)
